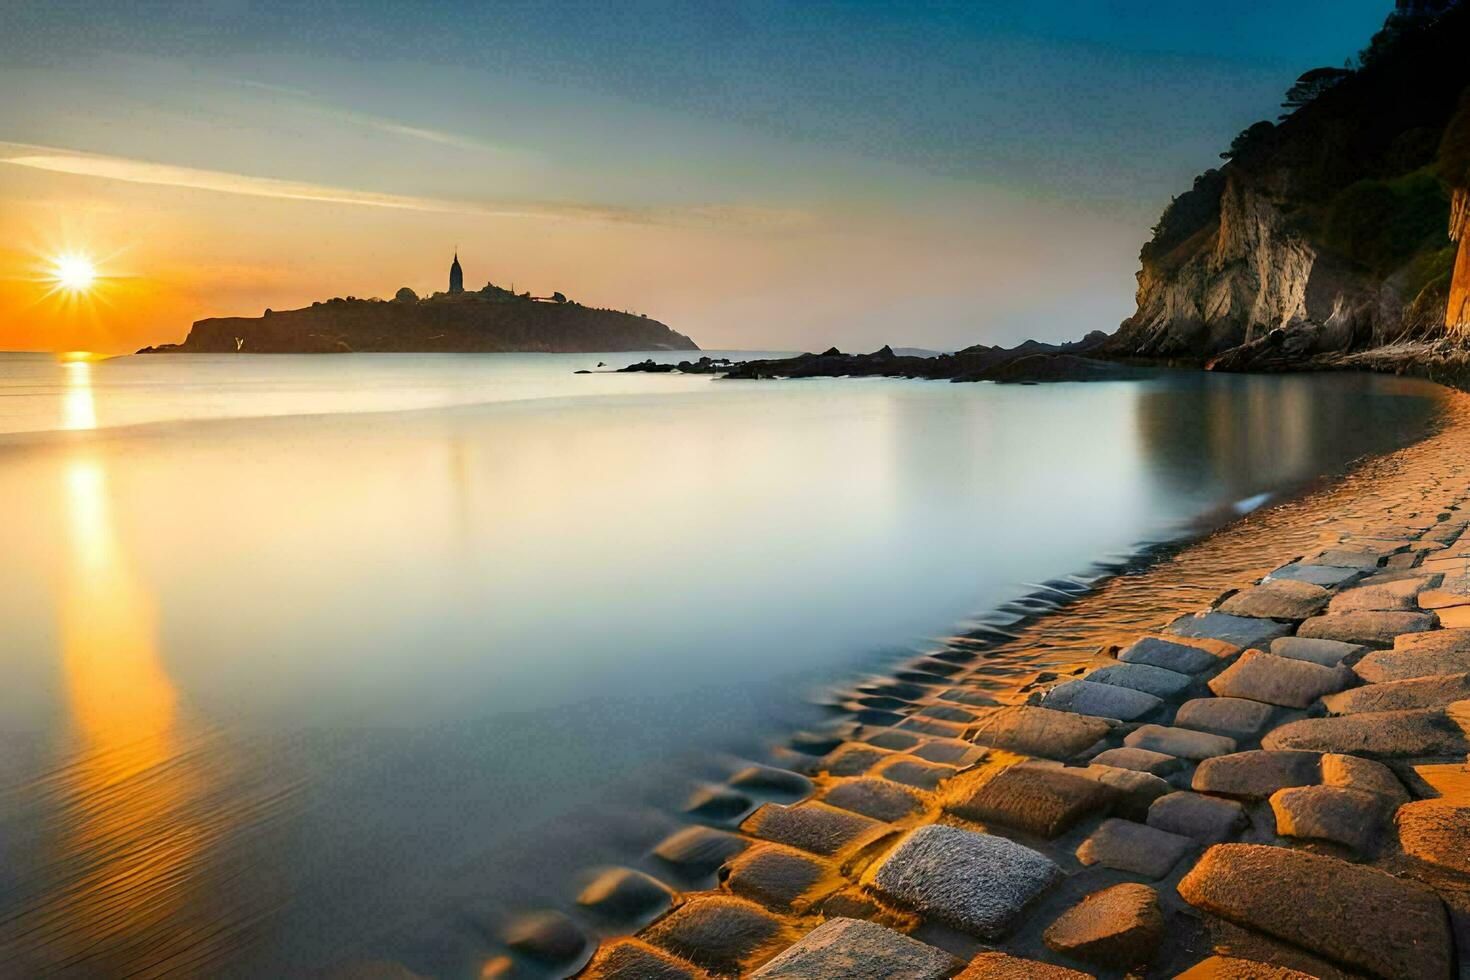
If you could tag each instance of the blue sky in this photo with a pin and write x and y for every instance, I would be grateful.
(960, 172)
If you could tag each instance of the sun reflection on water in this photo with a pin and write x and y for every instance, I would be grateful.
(127, 883)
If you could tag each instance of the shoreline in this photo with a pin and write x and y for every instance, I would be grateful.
(780, 850)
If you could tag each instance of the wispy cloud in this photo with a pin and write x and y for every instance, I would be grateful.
(308, 102)
(83, 164)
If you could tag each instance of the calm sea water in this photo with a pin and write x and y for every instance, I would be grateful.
(316, 658)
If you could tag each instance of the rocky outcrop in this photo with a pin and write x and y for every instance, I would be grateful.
(1027, 362)
(458, 323)
(1323, 236)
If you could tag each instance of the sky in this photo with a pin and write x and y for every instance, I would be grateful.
(758, 175)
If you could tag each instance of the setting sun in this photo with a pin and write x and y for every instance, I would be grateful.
(75, 272)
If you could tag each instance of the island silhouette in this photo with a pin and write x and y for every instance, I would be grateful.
(490, 320)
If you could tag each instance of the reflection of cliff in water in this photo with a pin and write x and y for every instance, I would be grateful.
(1250, 434)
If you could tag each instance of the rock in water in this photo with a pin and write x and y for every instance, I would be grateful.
(626, 895)
(1357, 916)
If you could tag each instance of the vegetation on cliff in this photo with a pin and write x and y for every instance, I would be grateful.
(491, 320)
(1331, 225)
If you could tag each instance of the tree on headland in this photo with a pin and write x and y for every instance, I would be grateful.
(1409, 17)
(406, 295)
(1249, 138)
(558, 298)
(1310, 84)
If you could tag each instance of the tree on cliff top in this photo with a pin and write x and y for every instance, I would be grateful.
(1248, 139)
(1310, 84)
(406, 295)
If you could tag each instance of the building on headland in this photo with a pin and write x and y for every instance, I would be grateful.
(456, 276)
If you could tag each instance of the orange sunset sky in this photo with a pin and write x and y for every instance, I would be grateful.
(756, 176)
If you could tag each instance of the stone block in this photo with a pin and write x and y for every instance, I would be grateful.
(1041, 732)
(1100, 700)
(858, 950)
(1326, 576)
(876, 798)
(1206, 819)
(1384, 666)
(719, 933)
(1256, 775)
(1270, 679)
(1003, 966)
(972, 881)
(629, 959)
(1357, 916)
(1134, 847)
(1372, 629)
(1238, 718)
(1042, 800)
(1419, 692)
(1381, 734)
(1399, 596)
(1328, 653)
(1277, 599)
(1180, 742)
(699, 851)
(1436, 831)
(1140, 760)
(812, 826)
(626, 895)
(1344, 816)
(1181, 657)
(1157, 681)
(1118, 927)
(1242, 631)
(780, 878)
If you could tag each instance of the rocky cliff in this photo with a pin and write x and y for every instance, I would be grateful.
(1328, 233)
(492, 320)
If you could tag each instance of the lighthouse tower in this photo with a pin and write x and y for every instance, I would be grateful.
(456, 276)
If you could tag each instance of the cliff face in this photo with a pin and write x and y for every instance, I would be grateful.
(1457, 319)
(469, 322)
(1326, 233)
